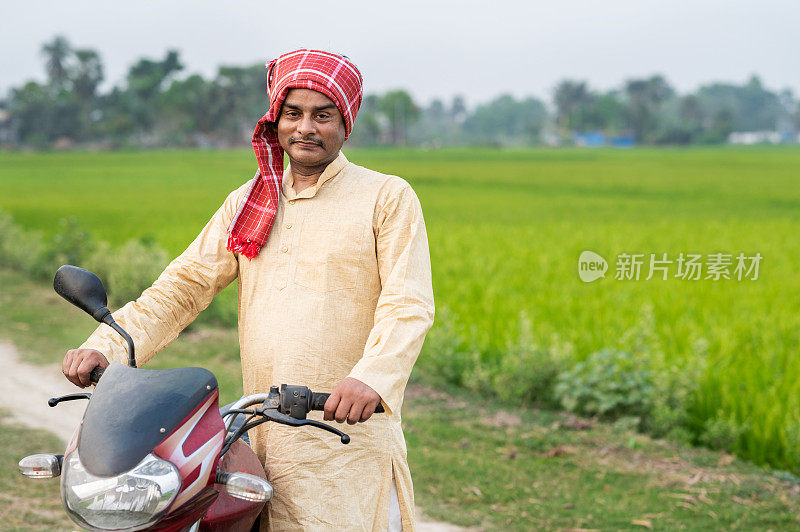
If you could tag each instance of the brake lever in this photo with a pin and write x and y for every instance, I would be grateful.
(272, 414)
(53, 401)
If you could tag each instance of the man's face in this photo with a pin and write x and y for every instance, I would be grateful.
(310, 128)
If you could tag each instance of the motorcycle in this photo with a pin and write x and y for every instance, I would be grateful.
(154, 450)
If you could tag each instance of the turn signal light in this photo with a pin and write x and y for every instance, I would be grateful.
(245, 486)
(41, 465)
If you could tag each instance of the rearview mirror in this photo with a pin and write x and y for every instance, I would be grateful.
(83, 289)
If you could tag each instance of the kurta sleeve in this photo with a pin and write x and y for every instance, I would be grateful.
(180, 293)
(405, 307)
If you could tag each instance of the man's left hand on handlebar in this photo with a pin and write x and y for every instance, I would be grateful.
(79, 363)
(351, 400)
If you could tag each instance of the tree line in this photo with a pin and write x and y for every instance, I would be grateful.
(157, 106)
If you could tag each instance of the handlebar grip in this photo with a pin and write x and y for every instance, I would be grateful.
(96, 373)
(318, 402)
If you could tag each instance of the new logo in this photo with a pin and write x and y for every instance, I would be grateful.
(591, 266)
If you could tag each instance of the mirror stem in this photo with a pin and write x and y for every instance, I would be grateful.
(109, 320)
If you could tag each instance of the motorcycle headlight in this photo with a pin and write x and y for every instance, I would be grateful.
(129, 501)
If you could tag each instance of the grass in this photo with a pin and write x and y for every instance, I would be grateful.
(506, 229)
(28, 504)
(474, 462)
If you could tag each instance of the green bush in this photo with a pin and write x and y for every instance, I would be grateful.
(444, 357)
(128, 270)
(635, 380)
(523, 373)
(677, 386)
(609, 384)
(224, 309)
(20, 250)
(70, 245)
(527, 371)
(125, 271)
(722, 432)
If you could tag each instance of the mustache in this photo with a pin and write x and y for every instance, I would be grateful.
(292, 140)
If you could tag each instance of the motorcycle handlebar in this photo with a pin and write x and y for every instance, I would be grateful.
(96, 373)
(318, 402)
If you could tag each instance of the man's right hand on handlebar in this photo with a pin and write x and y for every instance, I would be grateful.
(79, 363)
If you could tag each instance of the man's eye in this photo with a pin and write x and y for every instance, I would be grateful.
(323, 116)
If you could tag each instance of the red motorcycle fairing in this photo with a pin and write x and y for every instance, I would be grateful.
(133, 409)
(227, 513)
(200, 499)
(194, 448)
(182, 518)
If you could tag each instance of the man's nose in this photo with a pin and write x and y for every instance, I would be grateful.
(306, 125)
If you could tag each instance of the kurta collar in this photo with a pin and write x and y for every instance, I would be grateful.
(330, 172)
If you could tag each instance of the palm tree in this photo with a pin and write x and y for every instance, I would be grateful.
(401, 111)
(644, 98)
(569, 96)
(57, 53)
(88, 74)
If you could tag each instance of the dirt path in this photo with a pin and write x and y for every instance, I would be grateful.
(27, 387)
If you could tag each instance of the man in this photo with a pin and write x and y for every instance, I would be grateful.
(334, 293)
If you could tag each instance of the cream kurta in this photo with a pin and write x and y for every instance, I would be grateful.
(342, 288)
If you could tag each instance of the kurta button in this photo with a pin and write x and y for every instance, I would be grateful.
(288, 226)
(284, 249)
(291, 202)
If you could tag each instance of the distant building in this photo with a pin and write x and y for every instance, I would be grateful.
(757, 137)
(594, 139)
(8, 134)
(590, 139)
(623, 141)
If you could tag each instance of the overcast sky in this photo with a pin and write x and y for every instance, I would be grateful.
(432, 48)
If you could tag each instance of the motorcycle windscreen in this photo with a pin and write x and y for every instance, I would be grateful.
(132, 410)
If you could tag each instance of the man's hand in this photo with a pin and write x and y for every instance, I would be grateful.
(79, 363)
(352, 400)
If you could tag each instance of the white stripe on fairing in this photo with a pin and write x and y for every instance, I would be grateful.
(181, 434)
(330, 79)
(209, 452)
(205, 454)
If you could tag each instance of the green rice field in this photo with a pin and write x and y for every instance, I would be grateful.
(506, 229)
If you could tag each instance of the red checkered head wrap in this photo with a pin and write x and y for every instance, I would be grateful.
(333, 75)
